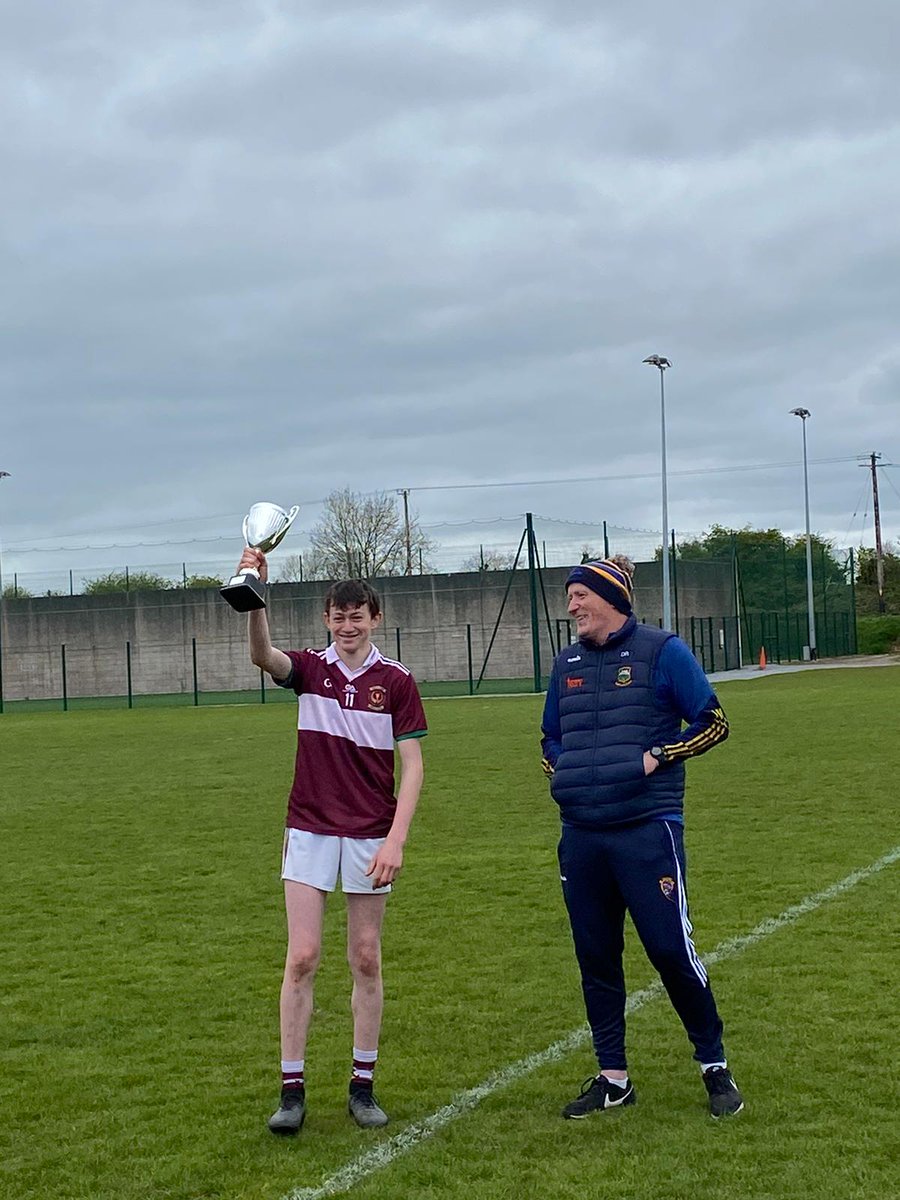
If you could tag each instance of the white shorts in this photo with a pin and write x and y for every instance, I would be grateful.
(318, 858)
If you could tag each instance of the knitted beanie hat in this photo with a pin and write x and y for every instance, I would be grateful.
(609, 578)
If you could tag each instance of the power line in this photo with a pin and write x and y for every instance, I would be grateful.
(18, 548)
(891, 483)
(864, 495)
(454, 487)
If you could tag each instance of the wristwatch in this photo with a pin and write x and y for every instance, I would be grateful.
(659, 754)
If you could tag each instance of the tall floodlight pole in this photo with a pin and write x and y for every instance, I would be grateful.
(3, 475)
(803, 414)
(655, 360)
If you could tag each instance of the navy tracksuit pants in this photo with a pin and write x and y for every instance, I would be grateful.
(639, 868)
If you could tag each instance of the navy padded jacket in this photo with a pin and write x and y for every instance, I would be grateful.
(609, 715)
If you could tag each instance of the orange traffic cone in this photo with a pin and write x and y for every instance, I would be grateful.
(762, 658)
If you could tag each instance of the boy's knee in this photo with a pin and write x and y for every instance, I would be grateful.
(301, 964)
(365, 960)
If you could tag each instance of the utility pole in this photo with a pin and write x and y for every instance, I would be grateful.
(404, 492)
(879, 549)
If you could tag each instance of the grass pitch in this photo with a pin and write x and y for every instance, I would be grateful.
(141, 943)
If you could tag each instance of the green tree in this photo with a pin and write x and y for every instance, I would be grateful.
(867, 580)
(202, 581)
(772, 567)
(126, 581)
(14, 591)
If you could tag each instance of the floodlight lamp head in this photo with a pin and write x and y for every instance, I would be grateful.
(4, 474)
(656, 360)
(802, 413)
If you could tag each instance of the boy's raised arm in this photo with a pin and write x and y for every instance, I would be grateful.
(262, 653)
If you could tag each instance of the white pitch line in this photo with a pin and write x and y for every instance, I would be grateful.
(387, 1151)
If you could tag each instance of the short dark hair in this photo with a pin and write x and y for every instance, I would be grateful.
(353, 593)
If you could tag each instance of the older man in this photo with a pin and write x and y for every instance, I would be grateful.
(614, 747)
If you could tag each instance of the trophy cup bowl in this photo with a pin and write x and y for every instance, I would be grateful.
(264, 527)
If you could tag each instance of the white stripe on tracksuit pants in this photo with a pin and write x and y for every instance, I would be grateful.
(639, 868)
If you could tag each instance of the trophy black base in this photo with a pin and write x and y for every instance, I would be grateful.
(245, 593)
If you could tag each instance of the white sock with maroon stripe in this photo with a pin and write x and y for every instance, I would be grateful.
(363, 1066)
(292, 1073)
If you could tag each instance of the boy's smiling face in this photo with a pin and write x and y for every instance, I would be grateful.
(351, 628)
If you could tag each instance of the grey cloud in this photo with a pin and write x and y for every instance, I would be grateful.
(433, 243)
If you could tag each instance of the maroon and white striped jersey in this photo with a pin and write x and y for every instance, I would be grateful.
(347, 724)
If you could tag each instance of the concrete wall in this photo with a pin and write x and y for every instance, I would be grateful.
(431, 613)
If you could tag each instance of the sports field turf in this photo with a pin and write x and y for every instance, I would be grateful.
(141, 944)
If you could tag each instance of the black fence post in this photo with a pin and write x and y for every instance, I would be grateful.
(128, 674)
(532, 593)
(262, 686)
(399, 657)
(65, 685)
(712, 646)
(469, 660)
(509, 583)
(194, 667)
(764, 637)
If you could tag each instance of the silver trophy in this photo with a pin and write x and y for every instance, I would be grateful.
(264, 527)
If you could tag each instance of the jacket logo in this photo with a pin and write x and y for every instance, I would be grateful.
(377, 697)
(572, 682)
(623, 676)
(577, 658)
(667, 886)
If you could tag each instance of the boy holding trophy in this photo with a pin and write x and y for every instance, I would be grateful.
(343, 820)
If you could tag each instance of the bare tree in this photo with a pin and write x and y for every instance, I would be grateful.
(491, 560)
(291, 569)
(364, 537)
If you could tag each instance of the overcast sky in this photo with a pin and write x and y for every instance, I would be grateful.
(263, 250)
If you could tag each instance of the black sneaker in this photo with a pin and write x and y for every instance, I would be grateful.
(724, 1097)
(291, 1112)
(598, 1093)
(365, 1109)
